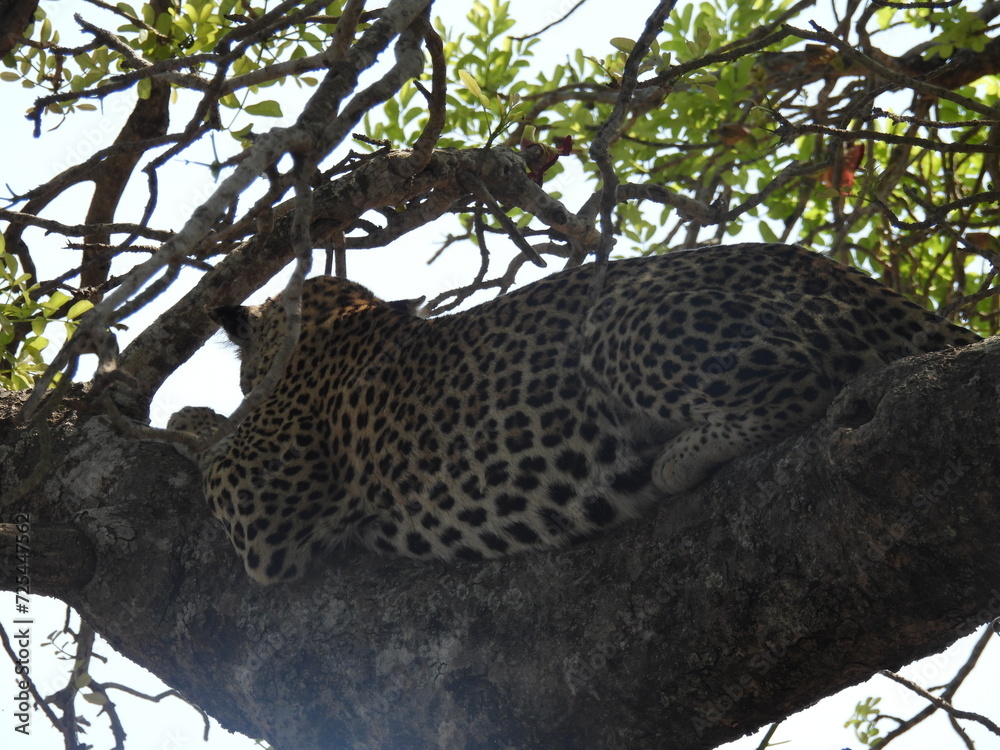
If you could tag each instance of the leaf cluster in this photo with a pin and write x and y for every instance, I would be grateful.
(762, 131)
(24, 319)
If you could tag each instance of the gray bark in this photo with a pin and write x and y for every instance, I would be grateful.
(865, 543)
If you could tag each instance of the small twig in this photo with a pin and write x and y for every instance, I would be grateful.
(147, 213)
(450, 240)
(105, 686)
(135, 431)
(65, 698)
(484, 251)
(436, 108)
(80, 230)
(475, 186)
(138, 22)
(941, 703)
(501, 284)
(148, 294)
(600, 149)
(132, 60)
(924, 122)
(340, 255)
(788, 131)
(55, 49)
(961, 733)
(937, 214)
(548, 26)
(864, 61)
(84, 170)
(932, 4)
(766, 739)
(722, 55)
(700, 211)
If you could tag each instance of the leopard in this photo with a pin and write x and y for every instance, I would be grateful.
(540, 418)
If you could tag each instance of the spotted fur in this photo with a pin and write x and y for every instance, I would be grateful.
(537, 419)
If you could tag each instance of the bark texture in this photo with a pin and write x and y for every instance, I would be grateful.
(15, 15)
(865, 543)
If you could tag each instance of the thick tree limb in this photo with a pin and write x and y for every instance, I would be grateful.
(865, 543)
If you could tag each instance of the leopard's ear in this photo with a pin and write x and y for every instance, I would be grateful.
(236, 320)
(409, 306)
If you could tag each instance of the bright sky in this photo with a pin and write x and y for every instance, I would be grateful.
(395, 273)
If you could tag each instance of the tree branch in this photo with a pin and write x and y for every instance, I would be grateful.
(313, 133)
(943, 704)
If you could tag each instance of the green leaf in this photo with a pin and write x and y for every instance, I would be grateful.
(9, 75)
(883, 17)
(34, 347)
(473, 87)
(96, 698)
(79, 308)
(622, 43)
(267, 108)
(55, 301)
(704, 37)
